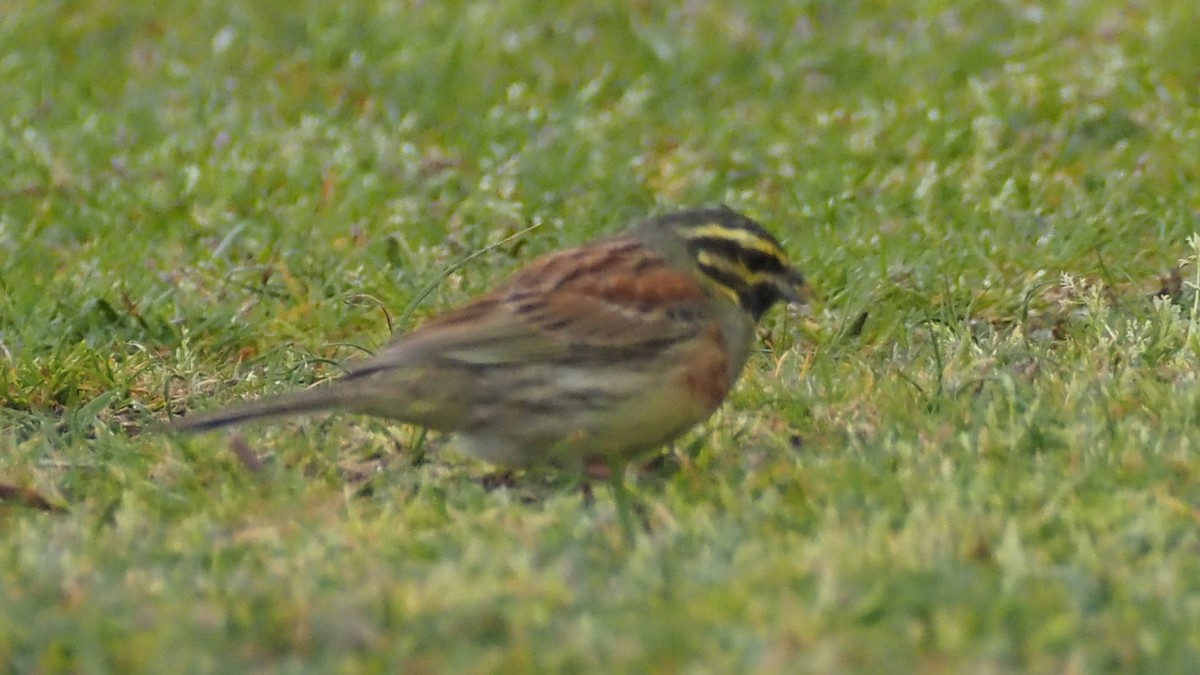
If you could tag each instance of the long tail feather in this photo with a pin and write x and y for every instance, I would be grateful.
(306, 401)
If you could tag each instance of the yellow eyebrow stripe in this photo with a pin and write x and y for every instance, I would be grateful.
(742, 238)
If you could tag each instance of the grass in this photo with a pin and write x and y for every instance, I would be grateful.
(997, 472)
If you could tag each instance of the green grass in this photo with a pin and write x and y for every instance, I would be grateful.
(1000, 472)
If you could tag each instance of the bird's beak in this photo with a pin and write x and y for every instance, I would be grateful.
(795, 289)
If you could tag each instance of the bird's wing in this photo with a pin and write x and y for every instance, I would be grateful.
(603, 301)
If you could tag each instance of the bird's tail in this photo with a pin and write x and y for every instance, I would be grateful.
(295, 403)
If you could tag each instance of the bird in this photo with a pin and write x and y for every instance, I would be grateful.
(593, 355)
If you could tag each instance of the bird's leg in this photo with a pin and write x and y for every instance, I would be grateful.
(621, 499)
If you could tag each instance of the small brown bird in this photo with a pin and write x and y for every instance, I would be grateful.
(595, 354)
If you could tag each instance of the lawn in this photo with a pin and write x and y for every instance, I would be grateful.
(977, 451)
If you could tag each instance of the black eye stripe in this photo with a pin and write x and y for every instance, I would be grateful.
(756, 299)
(754, 259)
(759, 260)
(724, 277)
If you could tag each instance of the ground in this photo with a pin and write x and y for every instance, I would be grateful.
(975, 452)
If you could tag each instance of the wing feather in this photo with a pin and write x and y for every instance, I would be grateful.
(605, 301)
